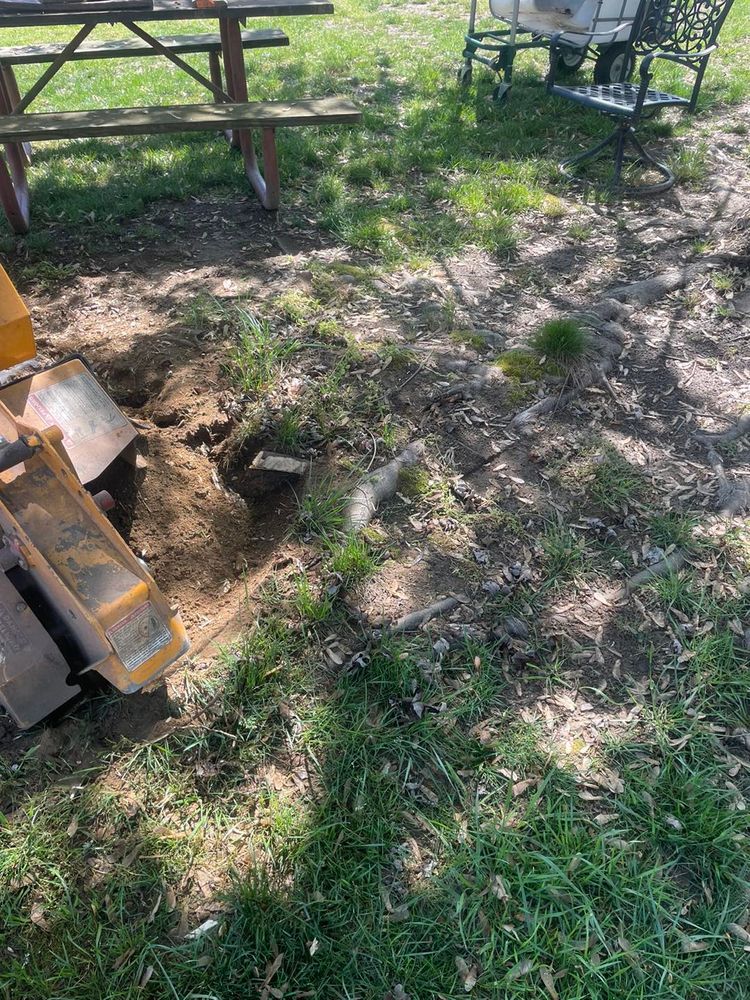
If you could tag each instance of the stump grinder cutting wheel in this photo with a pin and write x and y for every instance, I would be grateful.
(73, 597)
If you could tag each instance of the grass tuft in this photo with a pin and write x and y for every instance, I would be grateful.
(563, 340)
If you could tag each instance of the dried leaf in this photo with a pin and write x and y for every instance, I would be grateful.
(689, 945)
(498, 889)
(739, 932)
(603, 818)
(522, 968)
(522, 786)
(154, 910)
(147, 974)
(547, 978)
(72, 827)
(313, 946)
(170, 898)
(37, 916)
(467, 974)
(122, 959)
(397, 993)
(673, 822)
(398, 914)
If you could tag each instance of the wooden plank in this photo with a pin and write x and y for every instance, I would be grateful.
(180, 118)
(176, 10)
(20, 55)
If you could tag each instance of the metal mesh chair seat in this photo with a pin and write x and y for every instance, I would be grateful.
(618, 98)
(684, 32)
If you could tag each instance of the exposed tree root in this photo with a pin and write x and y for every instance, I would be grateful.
(721, 437)
(416, 619)
(378, 486)
(644, 293)
(669, 564)
(733, 495)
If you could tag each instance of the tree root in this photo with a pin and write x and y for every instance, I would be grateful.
(669, 564)
(378, 486)
(721, 437)
(733, 496)
(645, 293)
(416, 619)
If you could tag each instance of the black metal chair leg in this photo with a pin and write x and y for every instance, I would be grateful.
(623, 136)
(647, 159)
(619, 158)
(587, 154)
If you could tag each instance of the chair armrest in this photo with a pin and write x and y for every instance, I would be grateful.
(675, 57)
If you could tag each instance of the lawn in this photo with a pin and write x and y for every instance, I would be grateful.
(432, 169)
(546, 795)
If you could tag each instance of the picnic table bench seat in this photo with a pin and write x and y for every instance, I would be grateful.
(101, 123)
(26, 55)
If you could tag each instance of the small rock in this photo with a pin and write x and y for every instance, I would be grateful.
(653, 556)
(516, 628)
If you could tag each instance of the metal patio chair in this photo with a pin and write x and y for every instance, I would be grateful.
(681, 31)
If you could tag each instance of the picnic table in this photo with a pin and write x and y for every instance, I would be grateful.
(230, 111)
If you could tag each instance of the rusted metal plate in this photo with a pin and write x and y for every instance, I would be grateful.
(33, 672)
(95, 431)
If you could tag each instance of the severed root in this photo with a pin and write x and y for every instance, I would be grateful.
(669, 564)
(378, 486)
(416, 619)
(644, 293)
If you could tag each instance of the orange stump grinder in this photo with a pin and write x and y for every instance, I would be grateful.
(73, 597)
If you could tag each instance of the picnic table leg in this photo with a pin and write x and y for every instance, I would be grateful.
(233, 136)
(9, 98)
(267, 188)
(14, 191)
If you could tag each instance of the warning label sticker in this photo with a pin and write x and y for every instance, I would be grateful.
(79, 407)
(140, 635)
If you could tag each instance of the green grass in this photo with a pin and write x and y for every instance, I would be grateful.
(562, 340)
(412, 861)
(422, 140)
(257, 356)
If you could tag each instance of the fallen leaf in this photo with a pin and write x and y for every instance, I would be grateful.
(313, 946)
(398, 914)
(397, 993)
(122, 959)
(603, 818)
(547, 978)
(689, 945)
(522, 786)
(498, 889)
(522, 968)
(147, 974)
(37, 916)
(72, 827)
(673, 822)
(739, 932)
(467, 974)
(154, 910)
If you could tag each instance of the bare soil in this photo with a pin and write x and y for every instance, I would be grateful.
(683, 367)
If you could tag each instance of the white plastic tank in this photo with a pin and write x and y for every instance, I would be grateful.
(579, 19)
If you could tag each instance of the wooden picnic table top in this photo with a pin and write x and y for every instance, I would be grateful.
(168, 10)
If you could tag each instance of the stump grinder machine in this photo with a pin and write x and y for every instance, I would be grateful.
(73, 597)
